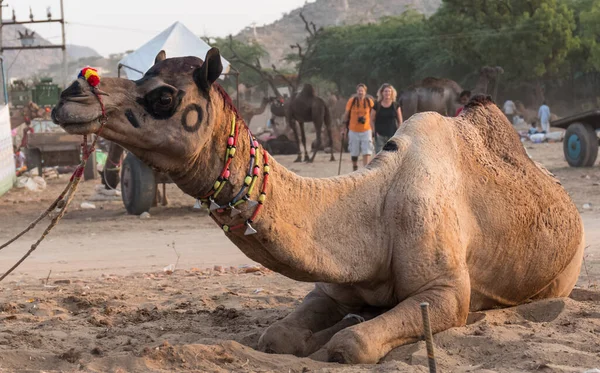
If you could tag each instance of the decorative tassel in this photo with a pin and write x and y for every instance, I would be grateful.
(252, 204)
(214, 206)
(235, 211)
(197, 205)
(249, 230)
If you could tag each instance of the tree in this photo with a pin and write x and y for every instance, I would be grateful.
(239, 54)
(531, 39)
(371, 54)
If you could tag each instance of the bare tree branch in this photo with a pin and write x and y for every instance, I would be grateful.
(256, 68)
(306, 25)
(291, 84)
(299, 47)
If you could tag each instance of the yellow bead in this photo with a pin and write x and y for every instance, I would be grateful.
(231, 152)
(266, 169)
(248, 180)
(226, 228)
(262, 198)
(217, 184)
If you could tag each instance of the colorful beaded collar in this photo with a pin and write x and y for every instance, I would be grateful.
(208, 200)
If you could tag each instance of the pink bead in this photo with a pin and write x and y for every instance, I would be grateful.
(255, 143)
(252, 151)
(226, 174)
(230, 141)
(256, 170)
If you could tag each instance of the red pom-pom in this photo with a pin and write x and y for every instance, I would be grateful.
(93, 80)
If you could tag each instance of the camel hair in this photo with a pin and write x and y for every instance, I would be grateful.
(443, 95)
(452, 211)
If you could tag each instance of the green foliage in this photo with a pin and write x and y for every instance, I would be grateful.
(249, 52)
(531, 39)
(371, 54)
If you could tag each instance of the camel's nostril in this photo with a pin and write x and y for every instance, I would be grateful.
(74, 89)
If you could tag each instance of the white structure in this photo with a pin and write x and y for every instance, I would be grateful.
(176, 41)
(8, 174)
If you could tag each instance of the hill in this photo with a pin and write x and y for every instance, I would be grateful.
(22, 64)
(277, 37)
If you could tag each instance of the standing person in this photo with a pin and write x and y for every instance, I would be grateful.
(510, 109)
(386, 116)
(464, 97)
(358, 126)
(544, 117)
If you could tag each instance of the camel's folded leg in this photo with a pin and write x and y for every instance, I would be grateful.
(368, 342)
(298, 333)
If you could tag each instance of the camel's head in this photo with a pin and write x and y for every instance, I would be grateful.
(491, 72)
(165, 118)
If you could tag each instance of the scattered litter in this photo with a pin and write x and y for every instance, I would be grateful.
(145, 215)
(87, 206)
(64, 282)
(169, 269)
(587, 206)
(258, 290)
(34, 184)
(249, 268)
(219, 269)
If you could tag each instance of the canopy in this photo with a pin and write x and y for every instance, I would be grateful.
(176, 41)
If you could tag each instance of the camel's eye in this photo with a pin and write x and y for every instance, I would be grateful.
(162, 102)
(166, 99)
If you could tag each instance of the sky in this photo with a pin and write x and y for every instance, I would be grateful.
(114, 26)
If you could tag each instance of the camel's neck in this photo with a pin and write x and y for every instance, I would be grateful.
(308, 229)
(482, 85)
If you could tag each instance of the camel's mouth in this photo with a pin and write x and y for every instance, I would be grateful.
(75, 117)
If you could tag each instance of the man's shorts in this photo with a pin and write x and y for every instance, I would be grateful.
(360, 143)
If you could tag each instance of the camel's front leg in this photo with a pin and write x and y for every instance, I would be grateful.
(368, 342)
(306, 329)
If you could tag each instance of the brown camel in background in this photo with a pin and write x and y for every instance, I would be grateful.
(248, 111)
(444, 214)
(308, 107)
(442, 95)
(25, 114)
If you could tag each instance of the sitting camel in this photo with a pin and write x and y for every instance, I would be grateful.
(452, 211)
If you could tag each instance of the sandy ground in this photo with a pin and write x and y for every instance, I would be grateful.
(110, 307)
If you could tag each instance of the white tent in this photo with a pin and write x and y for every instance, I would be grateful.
(176, 41)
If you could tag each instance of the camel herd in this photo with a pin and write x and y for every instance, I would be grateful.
(430, 94)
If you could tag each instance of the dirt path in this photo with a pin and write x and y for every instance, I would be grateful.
(114, 309)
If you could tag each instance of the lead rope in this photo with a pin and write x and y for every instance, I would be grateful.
(67, 195)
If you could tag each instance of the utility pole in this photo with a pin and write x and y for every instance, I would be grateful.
(62, 46)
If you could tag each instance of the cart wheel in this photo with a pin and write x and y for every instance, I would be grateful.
(580, 145)
(138, 187)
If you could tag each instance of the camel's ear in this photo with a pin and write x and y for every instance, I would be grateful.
(209, 72)
(161, 56)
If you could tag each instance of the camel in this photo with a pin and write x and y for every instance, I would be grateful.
(452, 211)
(248, 111)
(306, 106)
(25, 114)
(442, 95)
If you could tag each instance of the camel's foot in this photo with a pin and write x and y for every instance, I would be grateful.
(282, 338)
(165, 201)
(299, 159)
(332, 158)
(307, 158)
(348, 347)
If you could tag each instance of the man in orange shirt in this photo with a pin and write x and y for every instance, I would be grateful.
(358, 126)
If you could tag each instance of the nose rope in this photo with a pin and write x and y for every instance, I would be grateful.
(66, 196)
